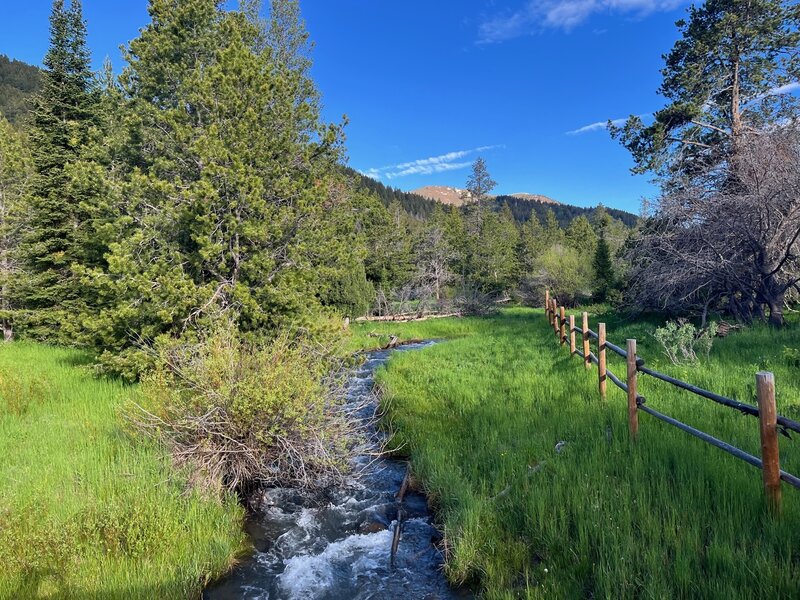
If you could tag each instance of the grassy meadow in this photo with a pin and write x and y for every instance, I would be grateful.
(85, 511)
(481, 414)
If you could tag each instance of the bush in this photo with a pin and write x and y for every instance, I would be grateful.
(242, 414)
(682, 342)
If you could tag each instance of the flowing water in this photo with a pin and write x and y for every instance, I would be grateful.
(340, 548)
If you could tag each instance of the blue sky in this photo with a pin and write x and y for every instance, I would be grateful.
(430, 85)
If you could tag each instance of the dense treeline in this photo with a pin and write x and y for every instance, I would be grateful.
(471, 257)
(19, 81)
(522, 209)
(415, 205)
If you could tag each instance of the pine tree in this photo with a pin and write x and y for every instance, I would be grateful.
(236, 202)
(603, 270)
(62, 116)
(581, 236)
(532, 243)
(720, 80)
(553, 233)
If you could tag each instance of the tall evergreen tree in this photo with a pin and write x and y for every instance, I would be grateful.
(62, 116)
(234, 202)
(581, 236)
(722, 79)
(603, 270)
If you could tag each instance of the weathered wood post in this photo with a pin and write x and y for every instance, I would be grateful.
(601, 358)
(768, 420)
(555, 318)
(571, 335)
(562, 323)
(587, 361)
(547, 303)
(633, 415)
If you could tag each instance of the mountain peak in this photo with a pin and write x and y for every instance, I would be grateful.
(459, 197)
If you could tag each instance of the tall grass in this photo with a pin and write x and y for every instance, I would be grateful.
(669, 516)
(86, 512)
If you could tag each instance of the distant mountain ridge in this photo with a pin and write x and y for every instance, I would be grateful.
(522, 205)
(458, 197)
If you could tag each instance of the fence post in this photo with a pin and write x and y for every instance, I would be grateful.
(768, 421)
(587, 361)
(571, 335)
(601, 358)
(633, 416)
(555, 318)
(547, 303)
(562, 322)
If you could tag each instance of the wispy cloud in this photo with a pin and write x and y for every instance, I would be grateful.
(602, 125)
(537, 15)
(784, 89)
(449, 161)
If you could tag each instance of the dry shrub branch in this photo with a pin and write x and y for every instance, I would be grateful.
(241, 414)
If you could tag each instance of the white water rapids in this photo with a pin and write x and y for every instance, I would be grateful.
(341, 549)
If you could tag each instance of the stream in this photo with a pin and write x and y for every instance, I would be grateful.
(340, 548)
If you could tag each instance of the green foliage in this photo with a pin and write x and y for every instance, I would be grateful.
(668, 517)
(15, 172)
(603, 271)
(240, 414)
(229, 183)
(85, 510)
(63, 111)
(792, 356)
(718, 80)
(351, 294)
(581, 236)
(565, 273)
(18, 82)
(681, 342)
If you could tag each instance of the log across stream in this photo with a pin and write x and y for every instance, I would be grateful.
(342, 548)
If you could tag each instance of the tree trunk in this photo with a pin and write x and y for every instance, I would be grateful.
(776, 310)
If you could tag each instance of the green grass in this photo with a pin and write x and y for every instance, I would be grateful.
(85, 511)
(668, 516)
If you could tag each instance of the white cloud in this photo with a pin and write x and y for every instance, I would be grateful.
(427, 166)
(602, 125)
(536, 15)
(784, 89)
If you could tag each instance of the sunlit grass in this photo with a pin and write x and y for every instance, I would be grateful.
(668, 516)
(85, 512)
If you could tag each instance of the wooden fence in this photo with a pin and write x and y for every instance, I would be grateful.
(566, 331)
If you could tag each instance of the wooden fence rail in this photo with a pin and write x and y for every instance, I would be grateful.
(770, 423)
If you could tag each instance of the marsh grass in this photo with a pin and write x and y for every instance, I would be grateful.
(669, 516)
(85, 511)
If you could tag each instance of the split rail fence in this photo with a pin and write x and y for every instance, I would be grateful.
(770, 422)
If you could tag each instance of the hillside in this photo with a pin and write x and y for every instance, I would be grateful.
(414, 204)
(446, 195)
(565, 213)
(18, 82)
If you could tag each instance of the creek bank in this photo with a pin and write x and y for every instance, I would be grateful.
(338, 545)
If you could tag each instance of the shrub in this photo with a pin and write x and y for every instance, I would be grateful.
(682, 342)
(242, 414)
(792, 356)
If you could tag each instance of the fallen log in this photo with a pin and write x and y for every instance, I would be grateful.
(401, 318)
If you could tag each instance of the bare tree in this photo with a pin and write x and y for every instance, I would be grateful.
(729, 241)
(434, 257)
